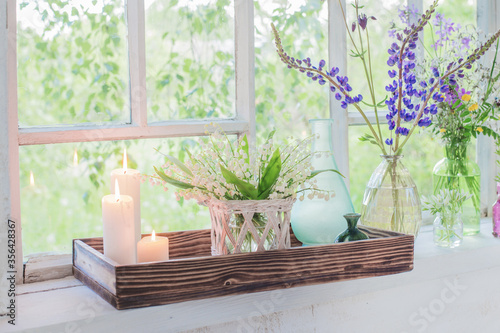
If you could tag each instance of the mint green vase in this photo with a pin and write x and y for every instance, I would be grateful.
(317, 221)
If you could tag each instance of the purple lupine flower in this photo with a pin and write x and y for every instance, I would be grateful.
(362, 21)
(424, 122)
(433, 109)
(388, 142)
(348, 87)
(392, 73)
(322, 64)
(332, 88)
(392, 124)
(338, 96)
(391, 61)
(444, 88)
(321, 81)
(465, 42)
(342, 80)
(435, 71)
(310, 74)
(343, 105)
(438, 97)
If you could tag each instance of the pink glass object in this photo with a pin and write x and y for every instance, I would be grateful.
(496, 214)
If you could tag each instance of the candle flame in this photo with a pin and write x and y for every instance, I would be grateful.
(125, 160)
(75, 158)
(117, 191)
(32, 179)
(153, 236)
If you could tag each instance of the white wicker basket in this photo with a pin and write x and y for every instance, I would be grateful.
(273, 234)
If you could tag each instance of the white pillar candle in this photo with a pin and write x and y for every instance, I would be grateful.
(118, 227)
(152, 248)
(129, 181)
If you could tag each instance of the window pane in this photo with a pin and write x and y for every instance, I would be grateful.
(285, 98)
(421, 153)
(459, 11)
(65, 200)
(72, 62)
(190, 59)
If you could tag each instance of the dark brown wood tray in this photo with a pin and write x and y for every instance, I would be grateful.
(192, 273)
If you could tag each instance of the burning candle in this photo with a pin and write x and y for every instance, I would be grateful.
(152, 248)
(75, 159)
(130, 184)
(118, 227)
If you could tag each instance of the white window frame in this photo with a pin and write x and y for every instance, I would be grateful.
(139, 128)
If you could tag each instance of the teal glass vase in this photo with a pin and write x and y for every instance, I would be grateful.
(457, 172)
(352, 233)
(317, 221)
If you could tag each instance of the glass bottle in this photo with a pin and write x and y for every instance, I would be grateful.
(456, 171)
(317, 221)
(352, 233)
(391, 199)
(448, 229)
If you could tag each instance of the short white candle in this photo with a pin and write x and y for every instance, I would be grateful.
(118, 227)
(152, 248)
(129, 181)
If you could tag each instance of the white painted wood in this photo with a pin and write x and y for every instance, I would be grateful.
(15, 189)
(82, 133)
(355, 118)
(9, 151)
(137, 60)
(337, 55)
(488, 12)
(245, 64)
(457, 287)
(47, 266)
(63, 283)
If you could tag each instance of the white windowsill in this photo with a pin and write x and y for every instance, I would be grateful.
(390, 303)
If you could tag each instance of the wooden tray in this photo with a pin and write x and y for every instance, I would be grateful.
(192, 273)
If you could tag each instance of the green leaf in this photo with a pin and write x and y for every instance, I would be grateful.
(317, 172)
(181, 165)
(245, 188)
(270, 136)
(270, 175)
(172, 181)
(244, 146)
(366, 137)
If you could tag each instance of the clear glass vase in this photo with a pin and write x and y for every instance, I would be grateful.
(457, 172)
(248, 242)
(448, 229)
(391, 199)
(317, 221)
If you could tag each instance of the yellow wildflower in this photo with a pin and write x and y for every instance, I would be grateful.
(465, 97)
(479, 129)
(473, 107)
(442, 130)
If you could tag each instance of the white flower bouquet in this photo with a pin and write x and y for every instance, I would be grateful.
(227, 171)
(230, 170)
